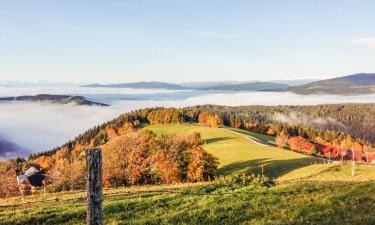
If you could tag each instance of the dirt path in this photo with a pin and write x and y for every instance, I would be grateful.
(252, 139)
(261, 143)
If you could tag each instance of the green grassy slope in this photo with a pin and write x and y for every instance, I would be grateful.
(335, 201)
(262, 137)
(291, 204)
(237, 154)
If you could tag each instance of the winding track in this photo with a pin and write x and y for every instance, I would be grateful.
(251, 139)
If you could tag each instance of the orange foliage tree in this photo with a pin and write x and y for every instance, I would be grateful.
(209, 119)
(8, 178)
(140, 158)
(282, 139)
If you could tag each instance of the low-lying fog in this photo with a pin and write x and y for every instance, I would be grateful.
(32, 127)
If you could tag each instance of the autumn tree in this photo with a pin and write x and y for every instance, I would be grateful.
(195, 164)
(141, 158)
(282, 139)
(8, 178)
(209, 119)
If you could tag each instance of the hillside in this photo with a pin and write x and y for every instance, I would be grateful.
(236, 154)
(160, 157)
(58, 99)
(299, 204)
(362, 83)
(140, 85)
(307, 194)
(252, 86)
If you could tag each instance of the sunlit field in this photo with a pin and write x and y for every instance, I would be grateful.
(308, 192)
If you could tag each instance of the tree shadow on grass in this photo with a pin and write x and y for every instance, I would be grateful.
(272, 168)
(213, 140)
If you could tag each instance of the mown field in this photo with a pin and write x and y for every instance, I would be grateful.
(309, 192)
(237, 154)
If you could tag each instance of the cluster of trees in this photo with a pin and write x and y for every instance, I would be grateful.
(325, 144)
(357, 120)
(135, 158)
(140, 158)
(165, 116)
(209, 119)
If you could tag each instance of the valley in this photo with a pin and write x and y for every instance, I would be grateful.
(191, 112)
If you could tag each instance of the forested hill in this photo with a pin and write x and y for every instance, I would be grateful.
(328, 122)
(60, 99)
(362, 83)
(348, 127)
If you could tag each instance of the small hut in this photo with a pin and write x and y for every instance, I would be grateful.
(32, 178)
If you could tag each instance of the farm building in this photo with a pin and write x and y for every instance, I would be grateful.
(32, 178)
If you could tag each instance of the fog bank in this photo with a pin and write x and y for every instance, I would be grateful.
(42, 126)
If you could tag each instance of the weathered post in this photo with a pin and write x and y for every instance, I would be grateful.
(329, 157)
(353, 162)
(94, 186)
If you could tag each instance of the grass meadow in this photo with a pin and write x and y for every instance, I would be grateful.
(308, 192)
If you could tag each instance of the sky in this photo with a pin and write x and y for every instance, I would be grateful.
(110, 41)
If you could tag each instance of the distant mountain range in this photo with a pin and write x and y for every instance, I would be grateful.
(141, 85)
(362, 83)
(207, 84)
(214, 86)
(253, 86)
(60, 99)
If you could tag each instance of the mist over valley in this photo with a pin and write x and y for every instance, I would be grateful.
(40, 126)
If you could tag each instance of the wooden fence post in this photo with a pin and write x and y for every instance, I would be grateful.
(94, 186)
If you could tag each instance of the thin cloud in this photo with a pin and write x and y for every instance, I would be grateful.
(207, 33)
(365, 42)
(128, 5)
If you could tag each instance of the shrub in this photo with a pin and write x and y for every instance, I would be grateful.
(314, 151)
(232, 182)
(241, 180)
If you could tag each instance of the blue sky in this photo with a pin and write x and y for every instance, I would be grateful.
(184, 40)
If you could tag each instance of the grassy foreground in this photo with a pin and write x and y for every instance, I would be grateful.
(318, 194)
(288, 204)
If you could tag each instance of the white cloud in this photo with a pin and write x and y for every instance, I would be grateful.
(207, 33)
(128, 5)
(365, 42)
